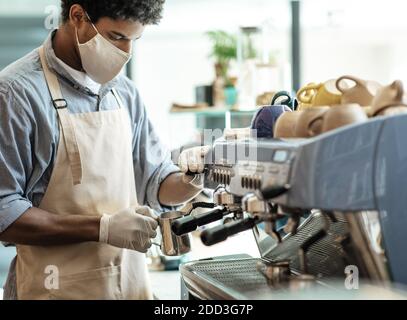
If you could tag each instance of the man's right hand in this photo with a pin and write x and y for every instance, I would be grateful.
(132, 229)
(193, 160)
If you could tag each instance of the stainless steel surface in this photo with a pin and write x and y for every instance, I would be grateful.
(255, 206)
(171, 244)
(326, 258)
(275, 272)
(249, 166)
(370, 253)
(223, 279)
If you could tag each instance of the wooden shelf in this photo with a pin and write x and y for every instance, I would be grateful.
(209, 111)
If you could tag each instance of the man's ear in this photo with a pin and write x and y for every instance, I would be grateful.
(77, 16)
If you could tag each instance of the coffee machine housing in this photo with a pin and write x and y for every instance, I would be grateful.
(361, 167)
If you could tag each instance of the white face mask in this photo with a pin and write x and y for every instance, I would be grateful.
(101, 60)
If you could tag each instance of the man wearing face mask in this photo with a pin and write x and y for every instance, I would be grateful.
(82, 170)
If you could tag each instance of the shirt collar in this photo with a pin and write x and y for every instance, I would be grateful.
(58, 69)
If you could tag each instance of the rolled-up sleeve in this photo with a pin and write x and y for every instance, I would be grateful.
(153, 186)
(15, 158)
(152, 160)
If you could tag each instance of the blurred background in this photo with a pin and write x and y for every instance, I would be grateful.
(211, 62)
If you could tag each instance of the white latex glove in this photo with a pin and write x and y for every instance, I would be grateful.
(132, 229)
(147, 211)
(193, 159)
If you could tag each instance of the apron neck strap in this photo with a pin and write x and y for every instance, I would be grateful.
(53, 84)
(68, 130)
(55, 89)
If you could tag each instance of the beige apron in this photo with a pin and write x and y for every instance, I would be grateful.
(93, 174)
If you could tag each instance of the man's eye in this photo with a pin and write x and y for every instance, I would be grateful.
(115, 38)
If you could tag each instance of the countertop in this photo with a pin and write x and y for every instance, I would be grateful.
(166, 285)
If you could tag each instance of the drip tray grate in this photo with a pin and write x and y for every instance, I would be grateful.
(326, 259)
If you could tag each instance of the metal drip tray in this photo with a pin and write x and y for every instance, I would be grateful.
(220, 279)
(240, 279)
(235, 274)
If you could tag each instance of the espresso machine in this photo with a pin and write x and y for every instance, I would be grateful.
(344, 196)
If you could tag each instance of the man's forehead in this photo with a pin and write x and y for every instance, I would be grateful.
(124, 28)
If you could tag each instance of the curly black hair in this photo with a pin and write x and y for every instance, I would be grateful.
(144, 11)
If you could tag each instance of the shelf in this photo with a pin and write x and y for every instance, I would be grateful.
(210, 111)
(216, 117)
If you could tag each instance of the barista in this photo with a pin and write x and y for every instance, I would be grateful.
(81, 168)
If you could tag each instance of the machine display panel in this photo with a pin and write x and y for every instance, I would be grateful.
(280, 156)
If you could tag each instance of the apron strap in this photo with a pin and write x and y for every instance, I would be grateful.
(68, 130)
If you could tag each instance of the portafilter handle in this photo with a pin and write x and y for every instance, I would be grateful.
(221, 233)
(270, 193)
(192, 222)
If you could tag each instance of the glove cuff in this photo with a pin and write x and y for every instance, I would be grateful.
(104, 229)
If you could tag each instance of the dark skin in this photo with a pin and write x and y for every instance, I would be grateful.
(39, 227)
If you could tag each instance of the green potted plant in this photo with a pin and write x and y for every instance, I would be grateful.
(224, 50)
